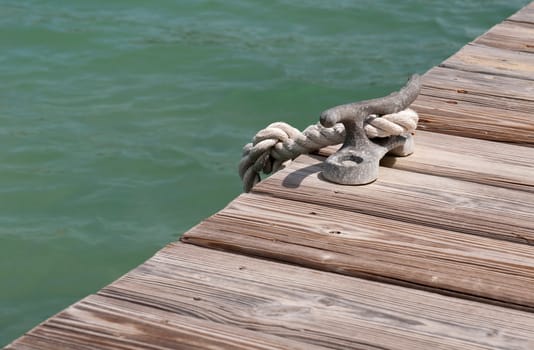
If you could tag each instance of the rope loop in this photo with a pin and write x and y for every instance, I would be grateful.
(275, 146)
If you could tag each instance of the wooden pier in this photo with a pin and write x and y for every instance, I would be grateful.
(438, 253)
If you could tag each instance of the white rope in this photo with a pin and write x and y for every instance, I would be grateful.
(279, 143)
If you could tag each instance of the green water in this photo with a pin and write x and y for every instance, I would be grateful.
(122, 122)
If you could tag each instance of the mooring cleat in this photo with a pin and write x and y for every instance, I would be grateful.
(358, 160)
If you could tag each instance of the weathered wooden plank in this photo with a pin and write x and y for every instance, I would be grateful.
(479, 161)
(487, 91)
(509, 107)
(468, 119)
(413, 197)
(526, 14)
(361, 245)
(491, 60)
(315, 307)
(98, 322)
(510, 35)
(478, 84)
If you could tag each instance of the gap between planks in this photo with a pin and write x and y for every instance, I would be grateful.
(364, 246)
(510, 35)
(417, 198)
(525, 15)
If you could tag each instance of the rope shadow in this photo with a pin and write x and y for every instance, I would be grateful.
(295, 178)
